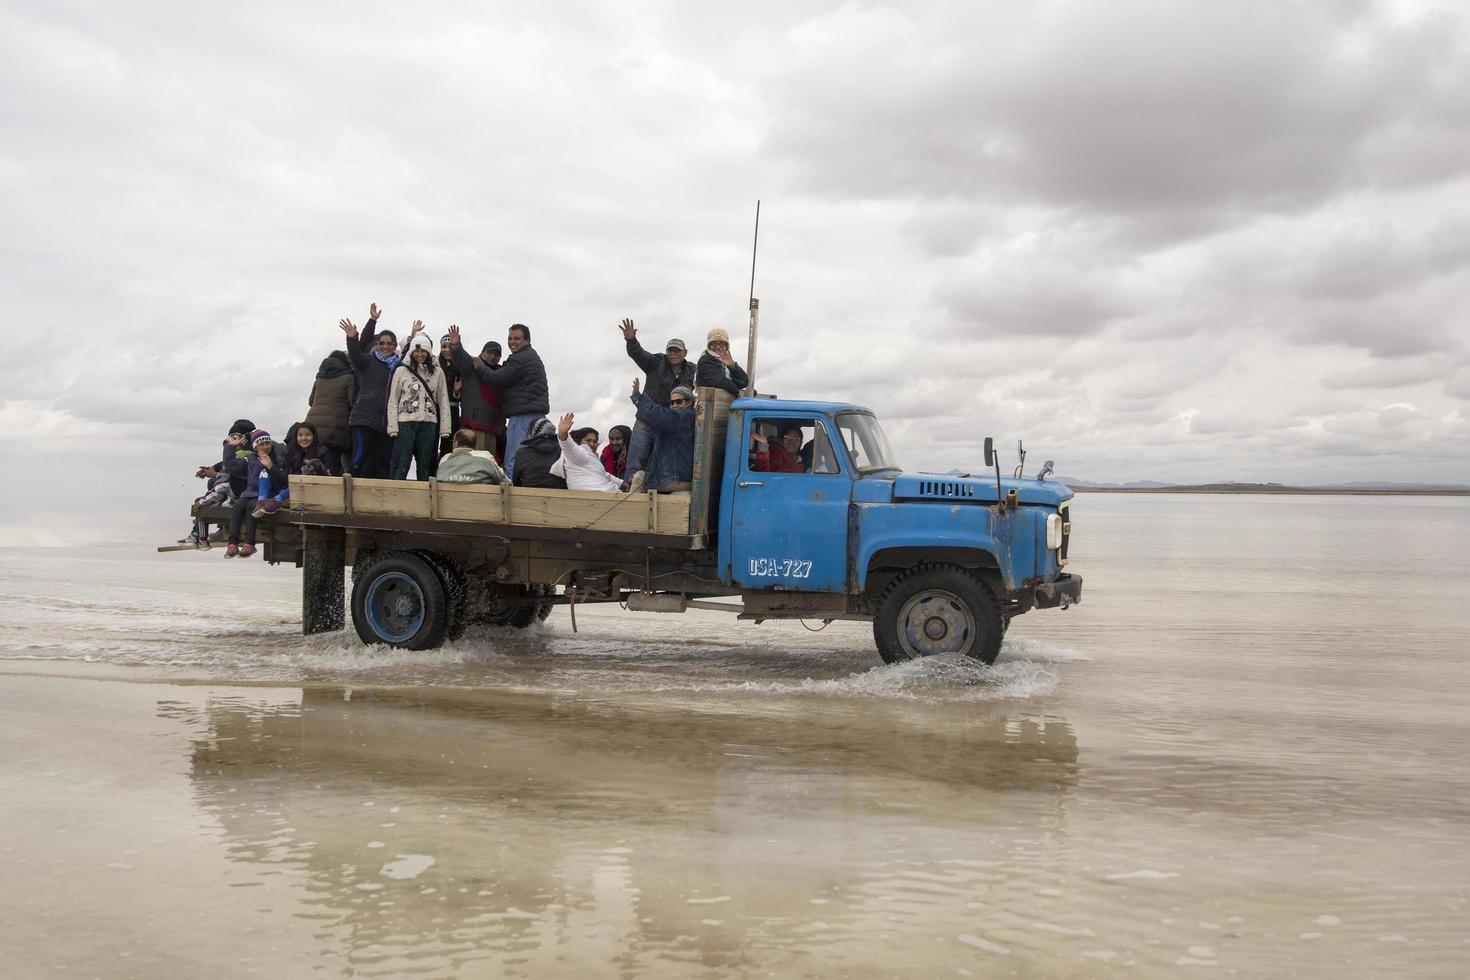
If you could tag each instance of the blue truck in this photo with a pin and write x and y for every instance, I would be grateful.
(939, 563)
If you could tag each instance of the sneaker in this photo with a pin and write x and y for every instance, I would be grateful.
(635, 485)
(246, 550)
(267, 507)
(259, 510)
(201, 544)
(232, 552)
(219, 537)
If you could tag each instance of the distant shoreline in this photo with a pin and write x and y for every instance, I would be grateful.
(1271, 488)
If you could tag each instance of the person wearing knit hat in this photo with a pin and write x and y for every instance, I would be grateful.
(671, 459)
(717, 369)
(418, 411)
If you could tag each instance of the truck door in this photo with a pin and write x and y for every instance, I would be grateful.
(788, 519)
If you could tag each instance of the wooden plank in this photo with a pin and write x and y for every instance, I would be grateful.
(660, 513)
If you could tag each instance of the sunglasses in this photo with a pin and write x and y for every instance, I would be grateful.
(679, 401)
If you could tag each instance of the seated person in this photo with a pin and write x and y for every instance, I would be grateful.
(274, 477)
(302, 445)
(466, 464)
(579, 462)
(671, 463)
(779, 457)
(615, 453)
(537, 454)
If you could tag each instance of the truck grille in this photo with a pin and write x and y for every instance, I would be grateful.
(1064, 511)
(945, 488)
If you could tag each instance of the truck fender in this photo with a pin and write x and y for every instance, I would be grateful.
(884, 563)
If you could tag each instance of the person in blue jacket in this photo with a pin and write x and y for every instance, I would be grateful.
(670, 466)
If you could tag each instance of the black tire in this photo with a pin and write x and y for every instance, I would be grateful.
(523, 616)
(454, 591)
(937, 609)
(399, 600)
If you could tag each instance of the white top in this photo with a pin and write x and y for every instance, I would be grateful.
(584, 471)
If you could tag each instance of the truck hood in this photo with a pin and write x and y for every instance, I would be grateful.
(971, 489)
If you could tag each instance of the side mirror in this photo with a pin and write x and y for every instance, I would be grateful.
(989, 452)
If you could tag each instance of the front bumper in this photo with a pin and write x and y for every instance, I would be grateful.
(1064, 592)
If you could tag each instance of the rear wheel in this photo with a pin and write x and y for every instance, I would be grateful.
(456, 613)
(523, 616)
(937, 609)
(400, 600)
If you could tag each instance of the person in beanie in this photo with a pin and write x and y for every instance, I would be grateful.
(374, 357)
(615, 453)
(717, 369)
(525, 393)
(242, 518)
(418, 410)
(454, 383)
(671, 461)
(480, 402)
(534, 460)
(330, 406)
(661, 374)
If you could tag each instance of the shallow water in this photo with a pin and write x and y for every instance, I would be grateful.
(1245, 753)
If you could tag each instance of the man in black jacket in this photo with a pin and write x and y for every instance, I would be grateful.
(662, 374)
(525, 393)
(374, 357)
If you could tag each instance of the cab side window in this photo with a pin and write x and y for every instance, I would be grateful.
(791, 445)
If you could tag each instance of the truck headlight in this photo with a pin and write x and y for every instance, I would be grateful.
(1053, 531)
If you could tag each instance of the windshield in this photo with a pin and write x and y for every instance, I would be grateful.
(866, 445)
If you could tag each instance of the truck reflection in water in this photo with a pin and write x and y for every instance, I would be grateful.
(541, 834)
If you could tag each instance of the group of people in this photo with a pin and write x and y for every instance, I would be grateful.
(378, 407)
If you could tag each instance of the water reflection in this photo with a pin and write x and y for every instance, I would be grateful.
(545, 833)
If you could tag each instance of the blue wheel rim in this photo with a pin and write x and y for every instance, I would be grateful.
(395, 607)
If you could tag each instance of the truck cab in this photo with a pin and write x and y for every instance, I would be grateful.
(940, 562)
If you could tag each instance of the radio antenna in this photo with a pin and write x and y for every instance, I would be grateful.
(754, 306)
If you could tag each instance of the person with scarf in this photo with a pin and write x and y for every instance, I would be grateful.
(615, 453)
(418, 410)
(717, 369)
(375, 358)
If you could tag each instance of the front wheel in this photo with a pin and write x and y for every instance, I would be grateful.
(399, 600)
(937, 609)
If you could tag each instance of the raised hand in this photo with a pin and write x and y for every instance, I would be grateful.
(759, 437)
(564, 426)
(374, 312)
(348, 327)
(635, 387)
(726, 359)
(418, 325)
(454, 335)
(629, 331)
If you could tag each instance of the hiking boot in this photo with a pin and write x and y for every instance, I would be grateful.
(246, 550)
(232, 552)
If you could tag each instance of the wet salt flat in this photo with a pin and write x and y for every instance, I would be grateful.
(1244, 754)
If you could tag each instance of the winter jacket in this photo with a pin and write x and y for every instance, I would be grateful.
(614, 463)
(466, 465)
(415, 397)
(672, 459)
(712, 373)
(659, 379)
(479, 401)
(236, 463)
(296, 457)
(331, 399)
(584, 470)
(533, 463)
(244, 469)
(521, 380)
(370, 407)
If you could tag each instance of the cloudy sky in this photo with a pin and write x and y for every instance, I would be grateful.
(1173, 241)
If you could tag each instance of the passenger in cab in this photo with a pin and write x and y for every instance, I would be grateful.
(539, 451)
(584, 471)
(671, 462)
(717, 369)
(466, 464)
(374, 357)
(779, 457)
(615, 453)
(418, 409)
(661, 374)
